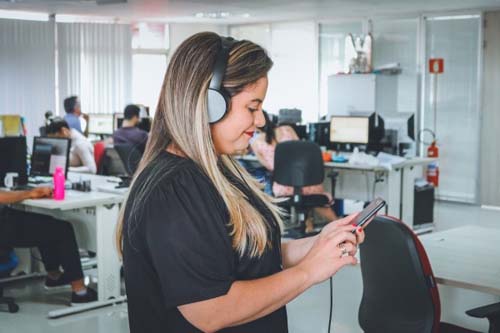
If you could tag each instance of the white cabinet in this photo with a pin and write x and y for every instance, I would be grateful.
(352, 94)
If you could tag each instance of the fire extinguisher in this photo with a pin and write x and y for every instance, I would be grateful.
(433, 168)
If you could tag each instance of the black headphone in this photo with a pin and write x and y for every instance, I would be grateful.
(218, 98)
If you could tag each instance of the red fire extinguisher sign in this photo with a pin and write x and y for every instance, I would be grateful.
(436, 65)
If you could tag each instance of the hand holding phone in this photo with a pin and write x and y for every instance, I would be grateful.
(366, 214)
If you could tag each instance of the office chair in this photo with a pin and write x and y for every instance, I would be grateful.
(299, 164)
(130, 156)
(99, 150)
(399, 290)
(111, 164)
(8, 262)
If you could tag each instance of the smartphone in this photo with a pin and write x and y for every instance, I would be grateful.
(369, 211)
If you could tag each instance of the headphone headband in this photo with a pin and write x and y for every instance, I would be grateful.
(221, 62)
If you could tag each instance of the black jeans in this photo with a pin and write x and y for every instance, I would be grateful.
(54, 238)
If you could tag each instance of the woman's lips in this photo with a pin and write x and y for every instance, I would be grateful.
(250, 134)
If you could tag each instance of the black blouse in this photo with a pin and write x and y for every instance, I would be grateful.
(177, 249)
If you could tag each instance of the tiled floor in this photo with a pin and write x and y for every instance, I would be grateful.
(307, 314)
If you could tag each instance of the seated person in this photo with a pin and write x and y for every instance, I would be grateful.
(54, 238)
(81, 156)
(129, 133)
(73, 114)
(264, 145)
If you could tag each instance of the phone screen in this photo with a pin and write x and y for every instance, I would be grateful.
(369, 211)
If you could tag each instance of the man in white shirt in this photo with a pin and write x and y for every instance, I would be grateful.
(81, 157)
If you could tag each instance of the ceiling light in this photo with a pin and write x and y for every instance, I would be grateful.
(21, 15)
(213, 15)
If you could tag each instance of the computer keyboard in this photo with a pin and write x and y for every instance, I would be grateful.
(23, 188)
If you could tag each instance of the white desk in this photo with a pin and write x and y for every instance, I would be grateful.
(399, 184)
(398, 190)
(94, 216)
(466, 257)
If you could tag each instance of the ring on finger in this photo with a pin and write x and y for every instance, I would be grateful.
(343, 248)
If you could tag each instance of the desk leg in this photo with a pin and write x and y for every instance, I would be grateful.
(108, 264)
(408, 193)
(394, 193)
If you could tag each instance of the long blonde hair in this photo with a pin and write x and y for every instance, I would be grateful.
(181, 119)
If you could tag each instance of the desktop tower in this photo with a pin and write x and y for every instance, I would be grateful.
(423, 208)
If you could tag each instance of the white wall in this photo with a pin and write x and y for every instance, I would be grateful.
(178, 32)
(293, 80)
(490, 154)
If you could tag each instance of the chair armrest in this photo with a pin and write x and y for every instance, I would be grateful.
(487, 311)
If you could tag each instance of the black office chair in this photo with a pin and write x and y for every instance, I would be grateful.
(130, 156)
(299, 164)
(8, 261)
(399, 290)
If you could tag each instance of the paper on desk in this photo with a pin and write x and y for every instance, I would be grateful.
(388, 160)
(361, 158)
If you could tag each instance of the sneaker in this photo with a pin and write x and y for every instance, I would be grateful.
(61, 282)
(90, 296)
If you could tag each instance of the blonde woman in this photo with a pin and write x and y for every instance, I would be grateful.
(201, 242)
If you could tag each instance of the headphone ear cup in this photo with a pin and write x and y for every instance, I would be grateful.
(218, 104)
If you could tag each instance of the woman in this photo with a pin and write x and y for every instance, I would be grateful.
(201, 241)
(264, 146)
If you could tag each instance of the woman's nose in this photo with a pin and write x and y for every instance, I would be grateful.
(259, 119)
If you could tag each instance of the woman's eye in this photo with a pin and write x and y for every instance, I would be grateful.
(252, 110)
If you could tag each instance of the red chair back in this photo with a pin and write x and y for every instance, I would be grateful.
(99, 148)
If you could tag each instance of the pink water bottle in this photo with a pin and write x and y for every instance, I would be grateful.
(59, 184)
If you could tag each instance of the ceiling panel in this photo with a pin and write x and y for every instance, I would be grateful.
(243, 11)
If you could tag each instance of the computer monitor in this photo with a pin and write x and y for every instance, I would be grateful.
(118, 120)
(145, 124)
(320, 133)
(411, 127)
(13, 158)
(289, 116)
(352, 130)
(101, 124)
(49, 153)
(301, 131)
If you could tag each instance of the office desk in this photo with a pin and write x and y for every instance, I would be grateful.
(466, 257)
(399, 188)
(94, 216)
(399, 182)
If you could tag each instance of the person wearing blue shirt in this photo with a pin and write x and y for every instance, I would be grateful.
(73, 113)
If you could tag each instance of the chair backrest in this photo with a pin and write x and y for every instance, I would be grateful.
(130, 156)
(99, 149)
(298, 164)
(399, 290)
(111, 164)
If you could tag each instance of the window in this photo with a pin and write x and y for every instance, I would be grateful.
(332, 54)
(150, 43)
